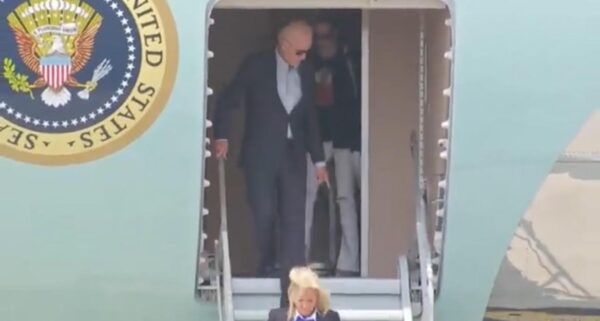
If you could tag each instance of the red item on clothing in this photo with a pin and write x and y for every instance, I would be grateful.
(324, 94)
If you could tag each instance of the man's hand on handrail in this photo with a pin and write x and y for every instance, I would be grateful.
(221, 147)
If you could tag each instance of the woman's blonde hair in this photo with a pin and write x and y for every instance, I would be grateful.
(301, 279)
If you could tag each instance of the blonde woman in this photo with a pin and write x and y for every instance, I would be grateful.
(308, 301)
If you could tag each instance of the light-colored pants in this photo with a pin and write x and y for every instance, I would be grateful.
(347, 180)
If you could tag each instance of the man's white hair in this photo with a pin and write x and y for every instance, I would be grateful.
(293, 28)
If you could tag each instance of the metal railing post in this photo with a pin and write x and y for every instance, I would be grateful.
(227, 300)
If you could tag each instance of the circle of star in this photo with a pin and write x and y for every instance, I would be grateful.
(4, 107)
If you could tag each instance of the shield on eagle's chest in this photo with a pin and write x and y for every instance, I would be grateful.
(56, 70)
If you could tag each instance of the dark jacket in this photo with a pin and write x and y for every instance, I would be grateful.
(266, 120)
(341, 123)
(281, 315)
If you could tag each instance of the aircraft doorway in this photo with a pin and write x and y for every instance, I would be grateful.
(402, 77)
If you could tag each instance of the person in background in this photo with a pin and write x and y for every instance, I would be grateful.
(308, 300)
(276, 87)
(338, 103)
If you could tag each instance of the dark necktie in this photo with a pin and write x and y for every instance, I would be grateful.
(301, 318)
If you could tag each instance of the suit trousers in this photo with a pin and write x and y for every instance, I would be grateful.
(348, 181)
(281, 193)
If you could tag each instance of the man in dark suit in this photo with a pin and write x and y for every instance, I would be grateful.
(277, 88)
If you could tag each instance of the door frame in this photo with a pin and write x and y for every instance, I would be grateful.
(364, 157)
(365, 6)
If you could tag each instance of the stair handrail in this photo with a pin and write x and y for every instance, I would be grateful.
(405, 297)
(422, 236)
(227, 291)
(218, 279)
(423, 244)
(425, 264)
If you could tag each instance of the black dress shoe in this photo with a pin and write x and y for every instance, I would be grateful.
(346, 274)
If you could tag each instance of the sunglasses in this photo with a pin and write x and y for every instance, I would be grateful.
(298, 53)
(301, 52)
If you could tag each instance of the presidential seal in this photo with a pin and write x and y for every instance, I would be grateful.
(80, 79)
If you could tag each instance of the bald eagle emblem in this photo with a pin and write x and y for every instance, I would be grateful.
(55, 40)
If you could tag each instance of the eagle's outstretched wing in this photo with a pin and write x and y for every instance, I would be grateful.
(26, 45)
(84, 46)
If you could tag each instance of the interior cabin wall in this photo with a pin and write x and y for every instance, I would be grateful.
(393, 115)
(231, 40)
(438, 40)
(393, 98)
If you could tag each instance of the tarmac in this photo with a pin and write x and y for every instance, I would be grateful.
(551, 270)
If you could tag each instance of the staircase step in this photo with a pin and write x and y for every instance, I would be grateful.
(346, 315)
(376, 299)
(334, 285)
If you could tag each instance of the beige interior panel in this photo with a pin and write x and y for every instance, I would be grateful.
(393, 114)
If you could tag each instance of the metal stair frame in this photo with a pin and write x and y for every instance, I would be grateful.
(226, 297)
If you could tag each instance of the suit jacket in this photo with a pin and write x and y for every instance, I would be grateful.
(343, 119)
(266, 123)
(281, 315)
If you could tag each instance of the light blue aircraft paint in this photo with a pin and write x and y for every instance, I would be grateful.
(525, 82)
(116, 237)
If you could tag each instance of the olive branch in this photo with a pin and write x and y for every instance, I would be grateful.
(18, 82)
